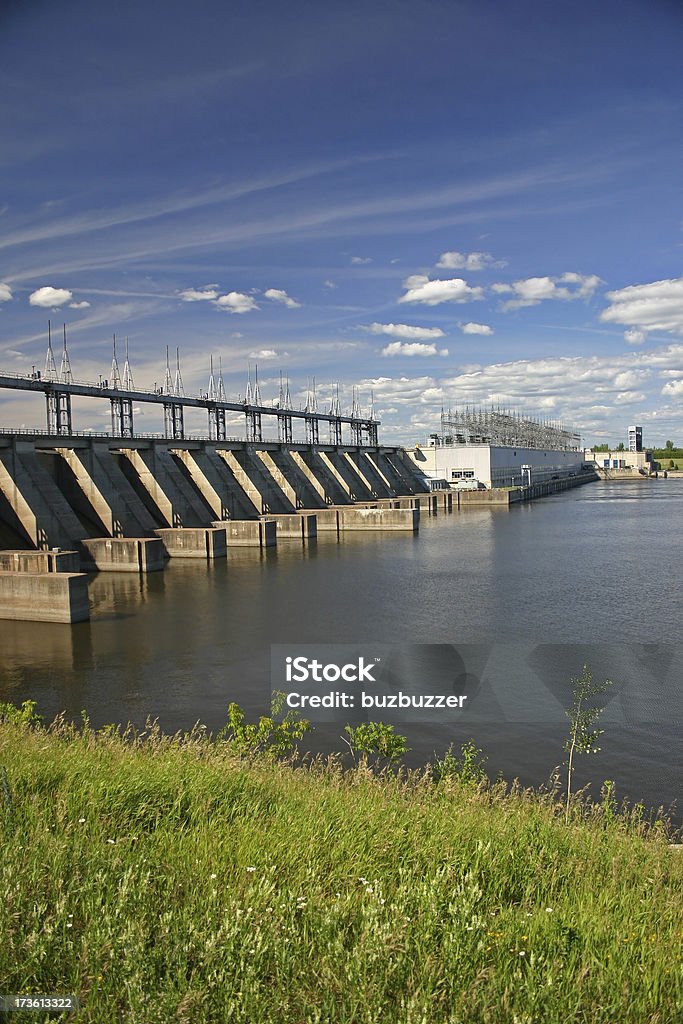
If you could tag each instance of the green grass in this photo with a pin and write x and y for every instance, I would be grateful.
(165, 880)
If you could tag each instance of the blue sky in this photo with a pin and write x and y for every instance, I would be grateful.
(439, 202)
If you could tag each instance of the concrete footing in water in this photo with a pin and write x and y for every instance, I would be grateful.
(371, 517)
(123, 554)
(249, 533)
(38, 562)
(301, 526)
(44, 597)
(191, 542)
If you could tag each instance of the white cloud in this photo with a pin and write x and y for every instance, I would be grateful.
(329, 284)
(473, 328)
(626, 397)
(5, 293)
(278, 295)
(48, 297)
(406, 331)
(673, 387)
(264, 353)
(432, 293)
(198, 294)
(412, 348)
(634, 337)
(532, 290)
(651, 307)
(468, 261)
(79, 305)
(236, 302)
(359, 260)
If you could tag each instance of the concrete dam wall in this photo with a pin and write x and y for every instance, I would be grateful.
(63, 492)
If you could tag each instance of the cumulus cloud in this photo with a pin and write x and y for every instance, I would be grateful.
(532, 290)
(5, 293)
(412, 348)
(79, 305)
(264, 354)
(198, 294)
(634, 337)
(406, 331)
(329, 284)
(236, 302)
(468, 261)
(278, 295)
(48, 297)
(473, 328)
(419, 288)
(673, 388)
(650, 307)
(359, 260)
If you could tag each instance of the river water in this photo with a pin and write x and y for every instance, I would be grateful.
(510, 603)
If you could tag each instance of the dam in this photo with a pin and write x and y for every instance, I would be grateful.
(76, 502)
(128, 504)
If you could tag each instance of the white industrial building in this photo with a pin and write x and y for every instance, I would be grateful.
(498, 448)
(494, 465)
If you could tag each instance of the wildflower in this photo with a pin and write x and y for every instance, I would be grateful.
(112, 842)
(69, 924)
(251, 869)
(81, 821)
(548, 910)
(382, 901)
(214, 876)
(522, 952)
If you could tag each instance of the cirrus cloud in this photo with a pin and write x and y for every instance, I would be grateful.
(48, 297)
(419, 288)
(198, 294)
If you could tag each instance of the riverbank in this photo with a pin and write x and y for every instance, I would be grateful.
(163, 879)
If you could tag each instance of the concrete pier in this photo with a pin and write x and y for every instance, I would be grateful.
(39, 512)
(44, 597)
(40, 562)
(123, 554)
(93, 484)
(194, 542)
(301, 526)
(175, 501)
(370, 517)
(249, 533)
(379, 519)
